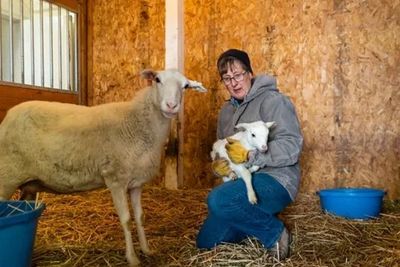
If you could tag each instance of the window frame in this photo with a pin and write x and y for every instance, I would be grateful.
(12, 94)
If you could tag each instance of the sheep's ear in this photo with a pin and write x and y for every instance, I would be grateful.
(198, 86)
(270, 124)
(241, 126)
(148, 74)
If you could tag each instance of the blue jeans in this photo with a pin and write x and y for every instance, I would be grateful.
(231, 217)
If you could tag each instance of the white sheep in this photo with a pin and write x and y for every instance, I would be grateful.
(252, 136)
(68, 148)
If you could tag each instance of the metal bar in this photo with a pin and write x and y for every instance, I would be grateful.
(76, 53)
(1, 42)
(51, 45)
(41, 43)
(76, 57)
(32, 44)
(22, 43)
(68, 50)
(60, 45)
(11, 43)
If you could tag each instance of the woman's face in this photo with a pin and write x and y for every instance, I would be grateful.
(237, 81)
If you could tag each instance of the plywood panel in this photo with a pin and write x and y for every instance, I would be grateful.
(127, 37)
(337, 60)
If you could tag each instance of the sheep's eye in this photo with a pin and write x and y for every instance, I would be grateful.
(253, 135)
(157, 80)
(186, 86)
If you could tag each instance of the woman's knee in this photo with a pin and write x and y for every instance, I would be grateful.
(224, 200)
(218, 200)
(214, 201)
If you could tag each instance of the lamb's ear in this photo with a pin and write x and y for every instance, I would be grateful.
(215, 155)
(270, 124)
(149, 74)
(231, 140)
(241, 126)
(198, 86)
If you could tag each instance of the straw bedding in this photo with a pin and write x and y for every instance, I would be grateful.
(83, 230)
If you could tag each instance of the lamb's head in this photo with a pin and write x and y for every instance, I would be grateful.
(256, 134)
(169, 85)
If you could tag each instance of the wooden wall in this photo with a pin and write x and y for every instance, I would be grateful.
(337, 60)
(125, 38)
(11, 95)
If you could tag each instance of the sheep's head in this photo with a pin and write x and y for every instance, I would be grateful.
(256, 134)
(170, 85)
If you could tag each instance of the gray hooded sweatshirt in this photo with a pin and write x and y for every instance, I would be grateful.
(265, 102)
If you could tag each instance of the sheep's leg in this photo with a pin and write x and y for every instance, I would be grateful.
(120, 200)
(6, 191)
(31, 188)
(136, 194)
(246, 176)
(9, 181)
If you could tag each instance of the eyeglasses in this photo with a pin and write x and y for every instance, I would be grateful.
(237, 77)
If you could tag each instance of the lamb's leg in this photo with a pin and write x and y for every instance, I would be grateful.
(254, 168)
(246, 176)
(136, 194)
(232, 175)
(120, 200)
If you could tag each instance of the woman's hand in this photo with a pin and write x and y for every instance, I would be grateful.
(220, 167)
(236, 152)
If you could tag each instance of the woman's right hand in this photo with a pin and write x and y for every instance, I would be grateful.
(220, 167)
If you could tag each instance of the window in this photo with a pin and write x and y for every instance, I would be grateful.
(43, 52)
(39, 44)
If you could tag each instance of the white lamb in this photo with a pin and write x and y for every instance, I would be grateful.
(66, 148)
(252, 136)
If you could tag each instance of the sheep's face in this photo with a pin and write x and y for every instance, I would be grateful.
(257, 134)
(170, 85)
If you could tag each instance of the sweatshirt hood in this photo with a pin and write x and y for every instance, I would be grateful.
(261, 83)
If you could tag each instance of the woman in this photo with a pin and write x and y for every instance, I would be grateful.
(231, 218)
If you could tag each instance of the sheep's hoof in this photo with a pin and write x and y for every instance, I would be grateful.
(148, 252)
(134, 262)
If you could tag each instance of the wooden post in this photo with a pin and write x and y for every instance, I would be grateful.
(173, 175)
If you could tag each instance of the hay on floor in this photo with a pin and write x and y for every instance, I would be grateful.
(83, 230)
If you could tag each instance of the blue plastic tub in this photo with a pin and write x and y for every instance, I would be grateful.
(352, 203)
(18, 223)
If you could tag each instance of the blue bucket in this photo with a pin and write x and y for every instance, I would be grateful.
(18, 223)
(352, 203)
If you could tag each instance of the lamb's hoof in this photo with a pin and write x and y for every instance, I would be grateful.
(233, 176)
(253, 199)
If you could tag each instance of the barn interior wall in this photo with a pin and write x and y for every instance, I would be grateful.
(337, 60)
(126, 37)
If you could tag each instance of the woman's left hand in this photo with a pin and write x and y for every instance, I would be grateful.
(236, 152)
